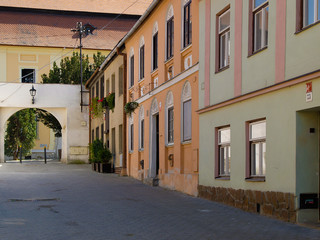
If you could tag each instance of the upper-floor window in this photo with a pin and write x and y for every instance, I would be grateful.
(155, 47)
(141, 59)
(311, 12)
(187, 24)
(224, 39)
(28, 75)
(102, 87)
(260, 22)
(92, 92)
(120, 80)
(131, 67)
(257, 144)
(170, 33)
(224, 151)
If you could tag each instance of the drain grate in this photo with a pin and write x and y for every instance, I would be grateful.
(34, 200)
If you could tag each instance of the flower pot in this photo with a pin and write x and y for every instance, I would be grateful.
(106, 168)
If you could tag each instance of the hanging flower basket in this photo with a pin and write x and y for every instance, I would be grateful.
(130, 107)
(96, 109)
(110, 101)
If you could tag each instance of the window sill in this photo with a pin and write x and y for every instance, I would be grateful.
(307, 27)
(186, 142)
(141, 149)
(141, 80)
(154, 71)
(168, 60)
(256, 179)
(130, 151)
(258, 51)
(169, 145)
(222, 69)
(186, 48)
(223, 178)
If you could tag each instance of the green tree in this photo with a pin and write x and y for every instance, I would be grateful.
(69, 70)
(21, 131)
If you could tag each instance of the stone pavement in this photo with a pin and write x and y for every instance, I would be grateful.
(62, 202)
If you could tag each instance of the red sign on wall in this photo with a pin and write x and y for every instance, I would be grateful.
(309, 92)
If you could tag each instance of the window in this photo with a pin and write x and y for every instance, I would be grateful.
(102, 133)
(97, 89)
(131, 71)
(113, 83)
(102, 87)
(107, 86)
(155, 51)
(120, 80)
(28, 75)
(223, 40)
(186, 112)
(170, 33)
(141, 128)
(97, 133)
(187, 120)
(170, 125)
(308, 12)
(224, 152)
(258, 30)
(141, 62)
(257, 144)
(92, 135)
(187, 24)
(131, 138)
(92, 92)
(120, 139)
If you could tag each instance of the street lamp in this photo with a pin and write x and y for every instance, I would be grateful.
(33, 92)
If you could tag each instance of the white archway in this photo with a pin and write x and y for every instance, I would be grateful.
(62, 101)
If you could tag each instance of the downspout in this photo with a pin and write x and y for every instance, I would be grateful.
(89, 121)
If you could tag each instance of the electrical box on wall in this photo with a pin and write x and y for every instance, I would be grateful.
(309, 201)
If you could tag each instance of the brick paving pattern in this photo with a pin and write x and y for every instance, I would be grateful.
(57, 201)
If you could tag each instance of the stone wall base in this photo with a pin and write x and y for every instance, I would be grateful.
(273, 204)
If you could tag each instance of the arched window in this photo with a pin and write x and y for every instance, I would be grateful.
(169, 33)
(141, 58)
(187, 23)
(169, 119)
(186, 112)
(131, 67)
(131, 130)
(141, 128)
(155, 46)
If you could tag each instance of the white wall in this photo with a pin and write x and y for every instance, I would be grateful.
(62, 101)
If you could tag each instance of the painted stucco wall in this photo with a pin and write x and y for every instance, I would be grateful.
(302, 51)
(62, 101)
(292, 158)
(183, 176)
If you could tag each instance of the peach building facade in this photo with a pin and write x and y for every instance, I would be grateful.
(162, 59)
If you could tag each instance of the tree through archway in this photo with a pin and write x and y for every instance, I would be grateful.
(22, 130)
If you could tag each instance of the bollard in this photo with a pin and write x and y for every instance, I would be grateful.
(20, 154)
(45, 155)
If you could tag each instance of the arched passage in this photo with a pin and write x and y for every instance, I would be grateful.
(44, 130)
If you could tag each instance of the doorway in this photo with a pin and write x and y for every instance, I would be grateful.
(155, 146)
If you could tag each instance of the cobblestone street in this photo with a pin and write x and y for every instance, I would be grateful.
(58, 202)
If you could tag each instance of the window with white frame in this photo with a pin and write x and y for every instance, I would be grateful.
(141, 128)
(131, 129)
(311, 12)
(141, 59)
(169, 119)
(187, 23)
(131, 67)
(155, 47)
(186, 112)
(224, 151)
(257, 142)
(224, 39)
(170, 33)
(260, 24)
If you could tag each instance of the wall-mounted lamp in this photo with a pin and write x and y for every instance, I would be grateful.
(33, 92)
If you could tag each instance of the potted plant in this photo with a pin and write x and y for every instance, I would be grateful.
(105, 157)
(110, 101)
(100, 157)
(96, 109)
(130, 107)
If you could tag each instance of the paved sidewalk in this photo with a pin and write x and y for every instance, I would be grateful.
(63, 202)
